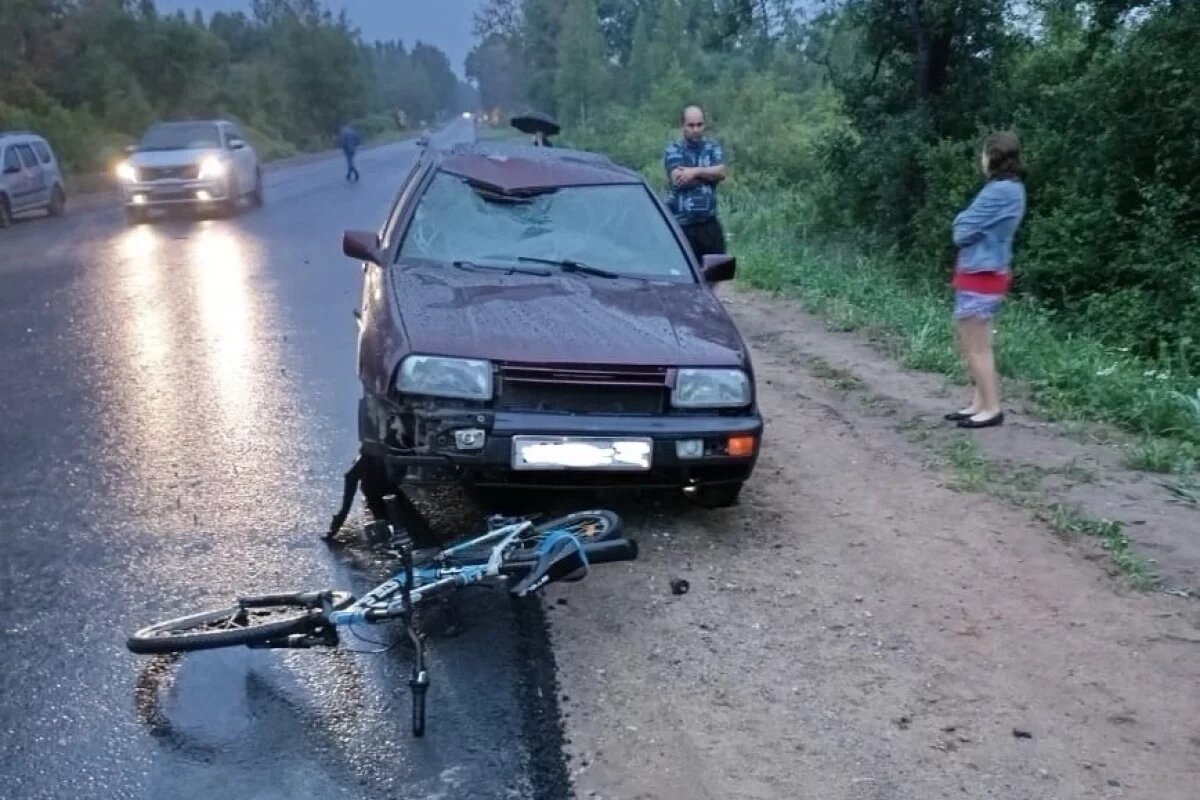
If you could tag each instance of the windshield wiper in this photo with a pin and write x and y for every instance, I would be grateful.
(464, 264)
(570, 265)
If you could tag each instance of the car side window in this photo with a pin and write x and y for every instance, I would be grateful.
(27, 156)
(43, 152)
(11, 159)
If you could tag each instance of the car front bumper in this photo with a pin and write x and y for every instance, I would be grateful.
(431, 454)
(173, 192)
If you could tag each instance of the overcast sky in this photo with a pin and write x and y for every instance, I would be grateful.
(445, 23)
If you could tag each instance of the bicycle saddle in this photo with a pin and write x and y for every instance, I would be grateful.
(561, 557)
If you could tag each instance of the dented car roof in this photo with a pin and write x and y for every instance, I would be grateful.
(515, 168)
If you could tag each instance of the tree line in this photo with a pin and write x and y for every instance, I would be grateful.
(89, 74)
(861, 120)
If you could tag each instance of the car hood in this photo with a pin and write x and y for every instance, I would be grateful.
(171, 158)
(563, 319)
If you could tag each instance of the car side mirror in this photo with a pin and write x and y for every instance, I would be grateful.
(362, 246)
(718, 267)
(236, 144)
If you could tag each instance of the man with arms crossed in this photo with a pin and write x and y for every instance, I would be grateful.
(695, 165)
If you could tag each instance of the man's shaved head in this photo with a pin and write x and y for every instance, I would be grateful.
(693, 122)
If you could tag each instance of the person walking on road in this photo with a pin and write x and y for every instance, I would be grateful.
(983, 234)
(348, 139)
(695, 165)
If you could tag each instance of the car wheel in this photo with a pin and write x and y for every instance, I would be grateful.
(720, 495)
(257, 196)
(233, 194)
(5, 212)
(58, 202)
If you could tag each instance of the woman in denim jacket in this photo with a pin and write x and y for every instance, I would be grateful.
(983, 234)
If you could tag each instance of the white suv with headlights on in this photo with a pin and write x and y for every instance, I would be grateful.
(197, 163)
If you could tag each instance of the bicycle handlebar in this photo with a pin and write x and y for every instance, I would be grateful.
(597, 553)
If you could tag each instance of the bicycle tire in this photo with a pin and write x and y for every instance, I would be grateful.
(607, 526)
(180, 635)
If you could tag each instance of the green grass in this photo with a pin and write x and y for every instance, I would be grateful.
(1070, 374)
(1185, 489)
(1069, 521)
(1166, 456)
(971, 471)
(839, 377)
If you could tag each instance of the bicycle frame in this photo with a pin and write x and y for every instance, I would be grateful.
(378, 604)
(381, 605)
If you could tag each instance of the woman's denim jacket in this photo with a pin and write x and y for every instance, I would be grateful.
(984, 230)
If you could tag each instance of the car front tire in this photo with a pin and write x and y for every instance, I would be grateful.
(58, 202)
(256, 196)
(229, 208)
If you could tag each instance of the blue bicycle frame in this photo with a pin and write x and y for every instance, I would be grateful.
(378, 604)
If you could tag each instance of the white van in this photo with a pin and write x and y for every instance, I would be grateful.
(30, 177)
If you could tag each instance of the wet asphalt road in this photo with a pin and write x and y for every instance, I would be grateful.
(177, 405)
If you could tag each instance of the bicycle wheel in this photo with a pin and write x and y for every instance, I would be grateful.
(587, 526)
(251, 620)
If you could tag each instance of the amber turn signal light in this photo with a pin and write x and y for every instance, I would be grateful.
(740, 446)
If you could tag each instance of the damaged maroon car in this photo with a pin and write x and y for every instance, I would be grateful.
(533, 318)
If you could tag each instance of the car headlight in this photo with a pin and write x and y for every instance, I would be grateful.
(211, 168)
(711, 388)
(464, 378)
(127, 172)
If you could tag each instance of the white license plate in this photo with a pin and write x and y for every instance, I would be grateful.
(578, 452)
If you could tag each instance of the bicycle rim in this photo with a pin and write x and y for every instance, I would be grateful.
(246, 622)
(588, 527)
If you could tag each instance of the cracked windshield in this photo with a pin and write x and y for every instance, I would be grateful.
(616, 228)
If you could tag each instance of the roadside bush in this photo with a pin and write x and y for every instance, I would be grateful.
(78, 138)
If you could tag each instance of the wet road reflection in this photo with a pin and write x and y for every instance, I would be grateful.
(178, 407)
(227, 323)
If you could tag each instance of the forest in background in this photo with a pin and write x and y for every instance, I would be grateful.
(853, 131)
(91, 74)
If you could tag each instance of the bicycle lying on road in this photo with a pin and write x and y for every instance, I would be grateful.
(515, 551)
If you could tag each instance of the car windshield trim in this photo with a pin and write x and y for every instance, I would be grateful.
(617, 227)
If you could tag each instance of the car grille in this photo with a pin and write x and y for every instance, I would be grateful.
(582, 390)
(186, 173)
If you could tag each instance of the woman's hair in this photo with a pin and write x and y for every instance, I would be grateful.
(1003, 153)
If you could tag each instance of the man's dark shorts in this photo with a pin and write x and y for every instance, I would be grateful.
(705, 237)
